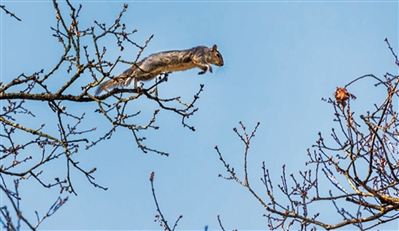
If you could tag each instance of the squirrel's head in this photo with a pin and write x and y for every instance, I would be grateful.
(217, 58)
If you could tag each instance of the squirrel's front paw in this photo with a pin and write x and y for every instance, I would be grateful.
(201, 72)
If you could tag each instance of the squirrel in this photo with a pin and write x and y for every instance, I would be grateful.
(167, 61)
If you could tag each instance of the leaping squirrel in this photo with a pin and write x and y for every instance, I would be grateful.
(167, 61)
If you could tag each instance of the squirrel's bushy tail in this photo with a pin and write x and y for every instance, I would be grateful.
(109, 84)
(123, 79)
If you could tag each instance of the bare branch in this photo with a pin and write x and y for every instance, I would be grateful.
(10, 13)
(160, 217)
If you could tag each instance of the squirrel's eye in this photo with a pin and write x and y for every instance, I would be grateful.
(218, 55)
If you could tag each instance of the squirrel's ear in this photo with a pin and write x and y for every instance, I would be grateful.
(214, 48)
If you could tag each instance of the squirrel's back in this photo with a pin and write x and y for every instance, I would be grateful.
(167, 61)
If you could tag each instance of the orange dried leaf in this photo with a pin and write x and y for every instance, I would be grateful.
(341, 95)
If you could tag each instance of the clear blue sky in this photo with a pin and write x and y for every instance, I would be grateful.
(281, 58)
